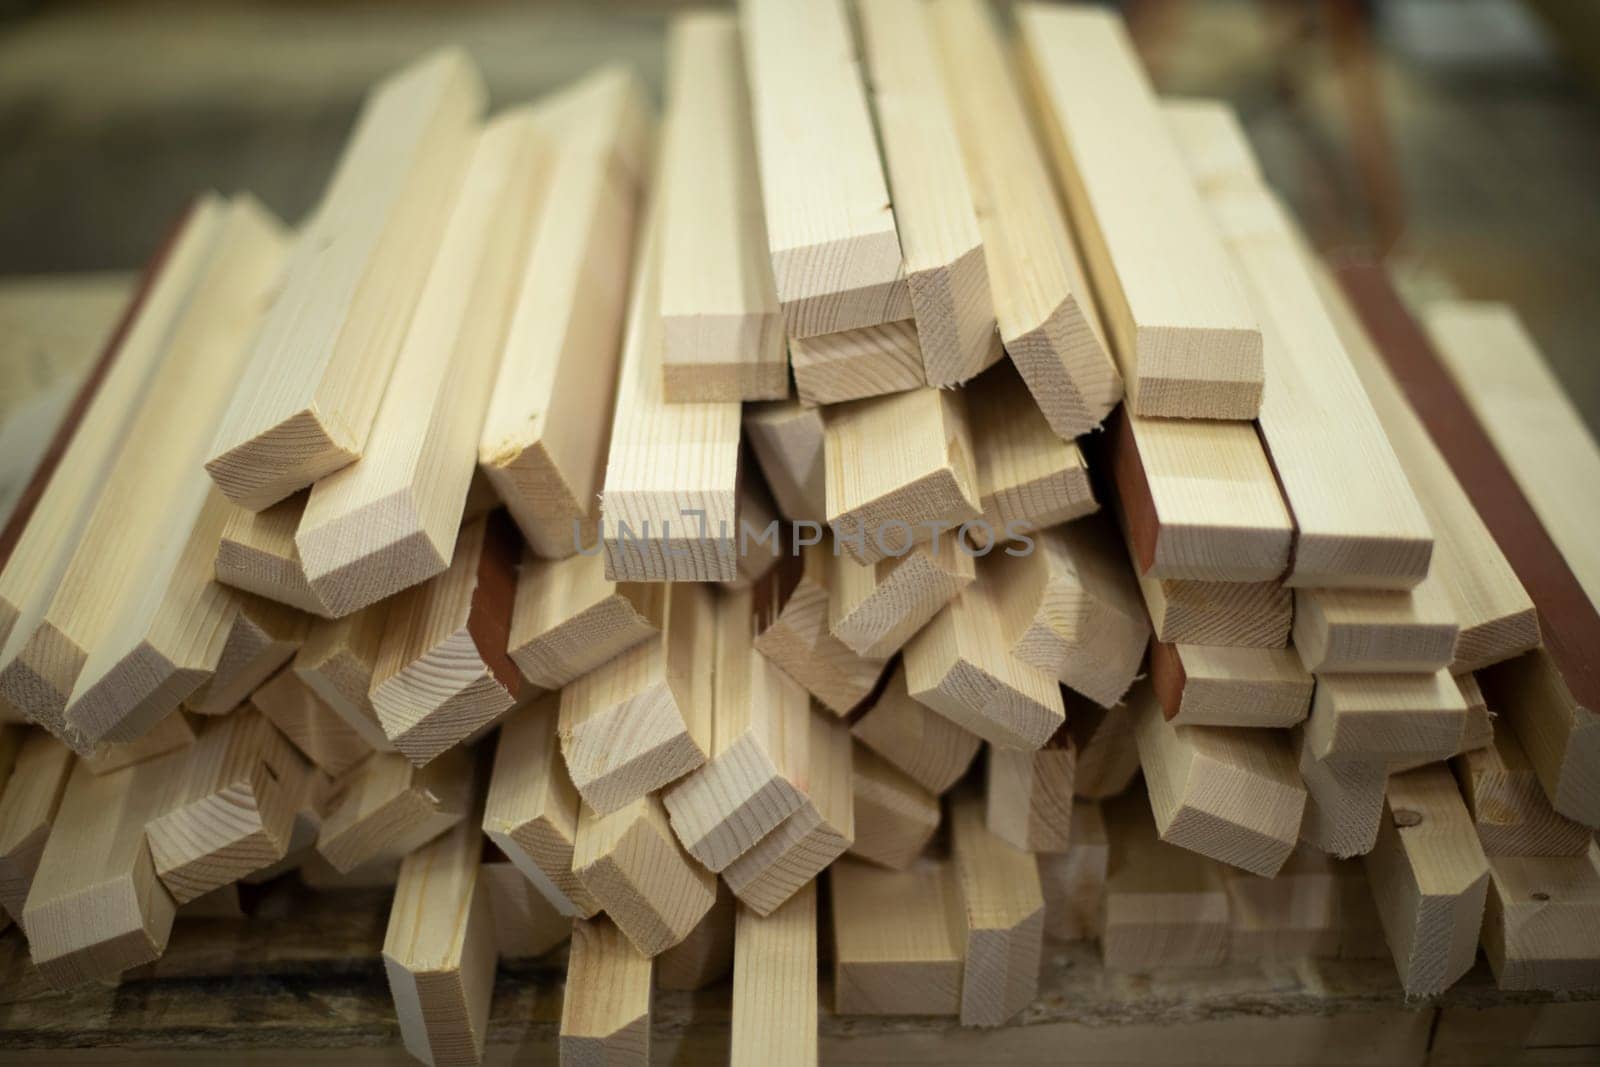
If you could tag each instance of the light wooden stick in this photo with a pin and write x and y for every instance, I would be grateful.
(1028, 478)
(1228, 614)
(1164, 906)
(706, 955)
(644, 719)
(786, 437)
(760, 543)
(852, 364)
(758, 748)
(1359, 631)
(310, 724)
(1212, 142)
(389, 521)
(1382, 717)
(526, 925)
(830, 230)
(28, 808)
(258, 555)
(1003, 907)
(1344, 799)
(263, 637)
(792, 608)
(1203, 685)
(895, 817)
(1191, 350)
(336, 662)
(532, 809)
(542, 446)
(1074, 880)
(1541, 921)
(1028, 799)
(1429, 877)
(605, 1010)
(899, 939)
(442, 673)
(1108, 755)
(1509, 809)
(940, 236)
(569, 618)
(174, 732)
(1042, 299)
(386, 808)
(318, 367)
(775, 984)
(722, 335)
(928, 747)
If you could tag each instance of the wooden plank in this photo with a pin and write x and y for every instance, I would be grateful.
(940, 235)
(605, 1009)
(722, 334)
(525, 924)
(757, 749)
(775, 984)
(1003, 911)
(96, 907)
(569, 618)
(265, 635)
(830, 229)
(933, 751)
(1229, 793)
(1108, 755)
(895, 816)
(1344, 798)
(1197, 499)
(1384, 717)
(852, 364)
(875, 608)
(1028, 800)
(645, 718)
(1228, 614)
(129, 548)
(1164, 906)
(531, 811)
(258, 555)
(440, 949)
(310, 723)
(1494, 612)
(387, 808)
(1429, 877)
(805, 843)
(899, 469)
(1043, 305)
(1082, 620)
(1028, 478)
(1202, 685)
(542, 447)
(1359, 631)
(1291, 916)
(633, 866)
(1074, 880)
(1189, 348)
(389, 522)
(899, 939)
(312, 797)
(961, 665)
(175, 731)
(1541, 921)
(28, 807)
(1509, 809)
(337, 661)
(442, 673)
(787, 439)
(318, 366)
(706, 955)
(792, 610)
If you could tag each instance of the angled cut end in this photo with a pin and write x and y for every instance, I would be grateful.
(264, 469)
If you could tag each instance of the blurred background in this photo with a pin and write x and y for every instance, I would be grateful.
(1461, 138)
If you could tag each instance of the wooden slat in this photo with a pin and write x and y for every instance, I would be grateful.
(1074, 880)
(526, 925)
(1509, 809)
(792, 609)
(1028, 799)
(786, 437)
(1108, 755)
(310, 723)
(336, 662)
(875, 608)
(386, 808)
(264, 636)
(1344, 799)
(1359, 631)
(898, 939)
(1204, 685)
(28, 808)
(1003, 908)
(869, 361)
(1290, 916)
(830, 229)
(706, 955)
(940, 234)
(1541, 921)
(1386, 717)
(318, 366)
(605, 1009)
(761, 542)
(1042, 300)
(175, 731)
(569, 618)
(1229, 614)
(543, 446)
(895, 816)
(258, 555)
(928, 747)
(722, 334)
(775, 984)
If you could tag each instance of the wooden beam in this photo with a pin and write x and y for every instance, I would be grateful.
(899, 469)
(1360, 631)
(310, 724)
(933, 751)
(706, 955)
(1164, 906)
(634, 867)
(899, 939)
(1073, 880)
(336, 662)
(175, 731)
(605, 1008)
(895, 817)
(940, 234)
(1108, 755)
(1429, 877)
(645, 718)
(1509, 809)
(722, 334)
(775, 984)
(1203, 685)
(569, 618)
(757, 750)
(525, 924)
(264, 636)
(1291, 916)
(1191, 349)
(1003, 909)
(440, 949)
(96, 907)
(1228, 614)
(792, 610)
(787, 439)
(1386, 717)
(387, 808)
(542, 447)
(961, 665)
(317, 369)
(1075, 611)
(1541, 921)
(258, 555)
(834, 368)
(150, 498)
(1028, 799)
(389, 522)
(875, 608)
(442, 673)
(805, 843)
(532, 808)
(830, 229)
(1344, 798)
(1043, 304)
(28, 807)
(1228, 793)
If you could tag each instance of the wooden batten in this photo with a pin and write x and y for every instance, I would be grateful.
(174, 732)
(1212, 142)
(1003, 913)
(1227, 614)
(1508, 806)
(337, 660)
(263, 637)
(787, 439)
(526, 925)
(792, 611)
(386, 808)
(569, 618)
(1205, 685)
(933, 751)
(1074, 879)
(761, 540)
(1108, 755)
(1541, 921)
(775, 984)
(310, 723)
(834, 368)
(895, 816)
(1344, 799)
(1164, 906)
(1043, 304)
(28, 807)
(1028, 801)
(317, 369)
(1360, 631)
(875, 608)
(258, 555)
(542, 447)
(706, 955)
(1379, 717)
(605, 1008)
(1560, 735)
(899, 939)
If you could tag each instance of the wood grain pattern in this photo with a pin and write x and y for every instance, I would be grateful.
(1003, 910)
(1344, 798)
(899, 939)
(386, 808)
(264, 636)
(775, 984)
(1379, 631)
(1541, 921)
(792, 610)
(929, 748)
(310, 723)
(337, 661)
(569, 618)
(868, 361)
(1204, 685)
(28, 808)
(895, 816)
(875, 608)
(1228, 614)
(258, 555)
(605, 1009)
(1508, 806)
(1293, 915)
(174, 732)
(1386, 717)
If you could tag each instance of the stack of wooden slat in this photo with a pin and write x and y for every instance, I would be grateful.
(432, 522)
